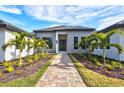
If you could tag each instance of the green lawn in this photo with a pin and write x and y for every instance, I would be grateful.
(93, 79)
(28, 81)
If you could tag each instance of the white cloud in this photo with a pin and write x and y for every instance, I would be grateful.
(77, 15)
(10, 9)
(110, 21)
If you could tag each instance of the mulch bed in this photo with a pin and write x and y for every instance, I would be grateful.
(23, 71)
(114, 73)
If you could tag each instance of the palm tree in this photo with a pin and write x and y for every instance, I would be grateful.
(38, 44)
(19, 42)
(89, 43)
(103, 42)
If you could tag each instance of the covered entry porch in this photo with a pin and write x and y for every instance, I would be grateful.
(61, 43)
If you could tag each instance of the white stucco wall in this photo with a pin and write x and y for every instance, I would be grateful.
(112, 52)
(122, 44)
(70, 38)
(2, 40)
(11, 52)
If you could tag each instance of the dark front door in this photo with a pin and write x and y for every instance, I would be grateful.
(62, 45)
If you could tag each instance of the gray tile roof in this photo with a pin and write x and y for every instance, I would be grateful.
(4, 24)
(119, 24)
(63, 28)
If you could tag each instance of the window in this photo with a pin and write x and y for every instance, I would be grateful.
(75, 42)
(48, 41)
(82, 46)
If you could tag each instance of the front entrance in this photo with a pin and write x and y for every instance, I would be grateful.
(62, 45)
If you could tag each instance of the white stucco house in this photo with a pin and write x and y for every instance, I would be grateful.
(6, 33)
(112, 51)
(63, 38)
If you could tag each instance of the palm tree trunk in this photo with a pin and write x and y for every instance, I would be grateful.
(88, 52)
(20, 57)
(104, 56)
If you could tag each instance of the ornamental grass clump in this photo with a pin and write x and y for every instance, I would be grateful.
(109, 67)
(7, 64)
(36, 57)
(10, 69)
(29, 61)
(116, 65)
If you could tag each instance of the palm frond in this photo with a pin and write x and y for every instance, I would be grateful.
(115, 31)
(118, 46)
(94, 45)
(9, 43)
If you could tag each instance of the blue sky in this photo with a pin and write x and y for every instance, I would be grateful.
(37, 17)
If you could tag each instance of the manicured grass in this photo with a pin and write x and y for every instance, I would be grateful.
(28, 81)
(93, 79)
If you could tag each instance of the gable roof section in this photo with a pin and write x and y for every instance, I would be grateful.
(119, 24)
(65, 28)
(4, 24)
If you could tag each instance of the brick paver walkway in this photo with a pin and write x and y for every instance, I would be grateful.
(61, 73)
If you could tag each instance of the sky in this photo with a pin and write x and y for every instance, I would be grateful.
(35, 17)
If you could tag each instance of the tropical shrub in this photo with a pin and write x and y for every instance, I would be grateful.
(29, 61)
(36, 57)
(99, 64)
(94, 59)
(14, 63)
(7, 64)
(20, 42)
(10, 69)
(42, 55)
(116, 65)
(1, 74)
(18, 72)
(103, 42)
(109, 67)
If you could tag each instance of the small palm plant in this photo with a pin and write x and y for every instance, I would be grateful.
(19, 42)
(38, 44)
(103, 42)
(89, 43)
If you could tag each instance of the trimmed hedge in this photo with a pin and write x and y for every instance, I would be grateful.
(93, 79)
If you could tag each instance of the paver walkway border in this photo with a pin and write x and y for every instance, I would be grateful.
(61, 73)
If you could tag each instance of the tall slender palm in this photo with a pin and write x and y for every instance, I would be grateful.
(103, 42)
(38, 44)
(19, 42)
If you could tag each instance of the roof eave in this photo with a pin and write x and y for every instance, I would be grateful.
(63, 30)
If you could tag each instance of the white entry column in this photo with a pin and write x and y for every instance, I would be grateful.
(57, 41)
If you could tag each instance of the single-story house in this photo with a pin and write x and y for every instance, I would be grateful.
(60, 39)
(112, 52)
(6, 33)
(63, 38)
